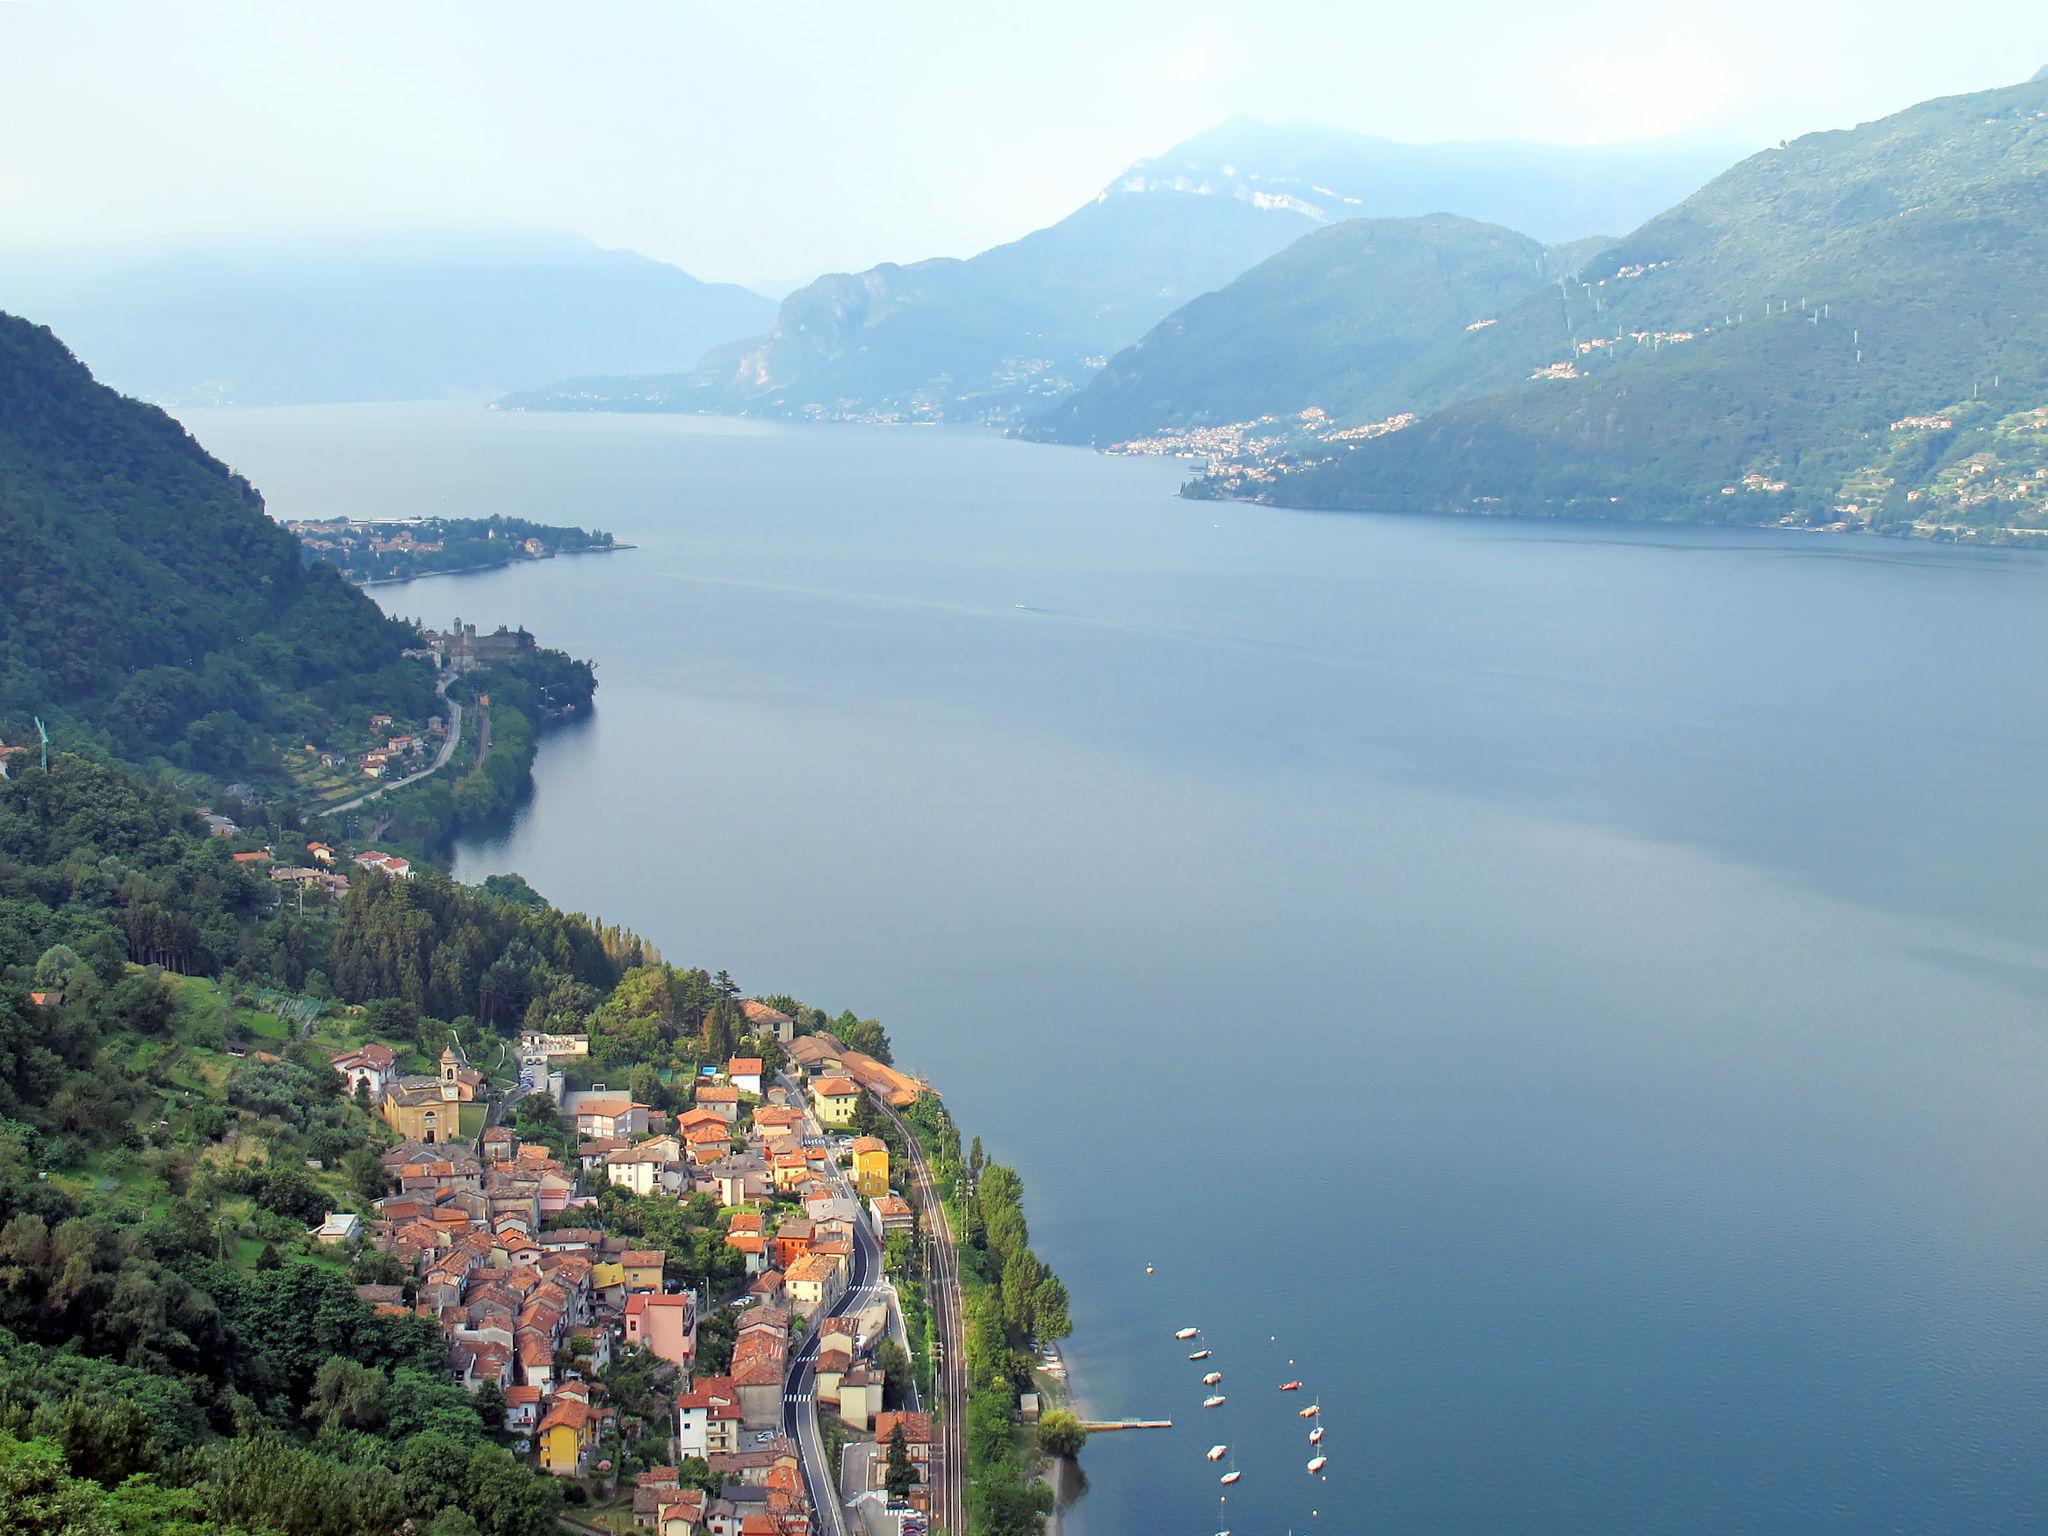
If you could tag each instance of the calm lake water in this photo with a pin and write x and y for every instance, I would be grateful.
(1578, 994)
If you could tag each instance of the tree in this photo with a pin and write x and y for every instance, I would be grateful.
(365, 1174)
(347, 1395)
(895, 1367)
(1061, 1434)
(900, 1476)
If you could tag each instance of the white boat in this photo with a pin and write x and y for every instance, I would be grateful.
(1213, 1402)
(1217, 1452)
(1186, 1333)
(1315, 1436)
(1229, 1477)
(1200, 1354)
(1212, 1378)
(1316, 1464)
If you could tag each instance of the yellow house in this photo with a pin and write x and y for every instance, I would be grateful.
(566, 1435)
(604, 1275)
(643, 1268)
(870, 1167)
(836, 1099)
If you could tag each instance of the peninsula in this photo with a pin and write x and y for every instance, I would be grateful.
(372, 550)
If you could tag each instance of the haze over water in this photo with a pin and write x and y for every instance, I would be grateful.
(1582, 990)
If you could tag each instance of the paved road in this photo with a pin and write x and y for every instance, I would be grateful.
(800, 1382)
(440, 758)
(949, 1423)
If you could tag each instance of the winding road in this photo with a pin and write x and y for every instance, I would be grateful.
(440, 758)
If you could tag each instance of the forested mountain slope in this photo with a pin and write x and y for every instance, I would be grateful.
(148, 598)
(1757, 352)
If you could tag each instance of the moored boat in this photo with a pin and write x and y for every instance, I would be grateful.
(1229, 1477)
(1212, 1378)
(1290, 1386)
(1217, 1452)
(1317, 1463)
(1200, 1354)
(1213, 1402)
(1315, 1436)
(1311, 1410)
(1186, 1333)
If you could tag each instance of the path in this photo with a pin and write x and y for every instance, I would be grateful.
(440, 758)
(949, 1423)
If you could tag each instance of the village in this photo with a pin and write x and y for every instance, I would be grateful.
(496, 1234)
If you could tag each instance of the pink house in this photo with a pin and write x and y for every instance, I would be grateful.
(665, 1324)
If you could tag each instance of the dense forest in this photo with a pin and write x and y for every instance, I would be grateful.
(151, 607)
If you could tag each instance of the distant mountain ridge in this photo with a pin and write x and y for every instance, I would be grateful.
(399, 319)
(1000, 336)
(1814, 336)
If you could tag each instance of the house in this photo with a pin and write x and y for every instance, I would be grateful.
(763, 1020)
(49, 999)
(708, 1419)
(339, 1227)
(836, 1100)
(744, 1073)
(322, 854)
(814, 1282)
(566, 1433)
(917, 1438)
(251, 858)
(666, 1325)
(637, 1168)
(721, 1099)
(522, 1408)
(596, 1112)
(760, 1354)
(643, 1268)
(792, 1241)
(499, 1144)
(378, 722)
(371, 1067)
(385, 863)
(870, 1167)
(891, 1213)
(682, 1514)
(860, 1396)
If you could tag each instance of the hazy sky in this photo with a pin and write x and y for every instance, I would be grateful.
(760, 142)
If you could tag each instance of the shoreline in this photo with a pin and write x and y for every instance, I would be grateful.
(500, 565)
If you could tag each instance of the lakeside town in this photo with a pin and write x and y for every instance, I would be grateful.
(370, 550)
(791, 1387)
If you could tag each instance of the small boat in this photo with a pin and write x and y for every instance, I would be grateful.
(1315, 1436)
(1316, 1464)
(1186, 1333)
(1212, 1378)
(1200, 1354)
(1311, 1410)
(1217, 1452)
(1148, 1269)
(1290, 1386)
(1229, 1477)
(1213, 1402)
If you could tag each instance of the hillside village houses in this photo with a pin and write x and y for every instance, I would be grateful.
(500, 1245)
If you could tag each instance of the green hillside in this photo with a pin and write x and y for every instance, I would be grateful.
(150, 604)
(1329, 323)
(1744, 356)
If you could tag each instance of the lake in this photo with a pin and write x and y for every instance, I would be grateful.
(1575, 996)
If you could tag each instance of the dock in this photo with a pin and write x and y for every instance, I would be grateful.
(1103, 1426)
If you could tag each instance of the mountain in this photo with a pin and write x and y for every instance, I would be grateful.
(1801, 340)
(149, 601)
(1003, 334)
(1324, 325)
(389, 320)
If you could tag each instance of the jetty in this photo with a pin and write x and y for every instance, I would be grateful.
(1103, 1426)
